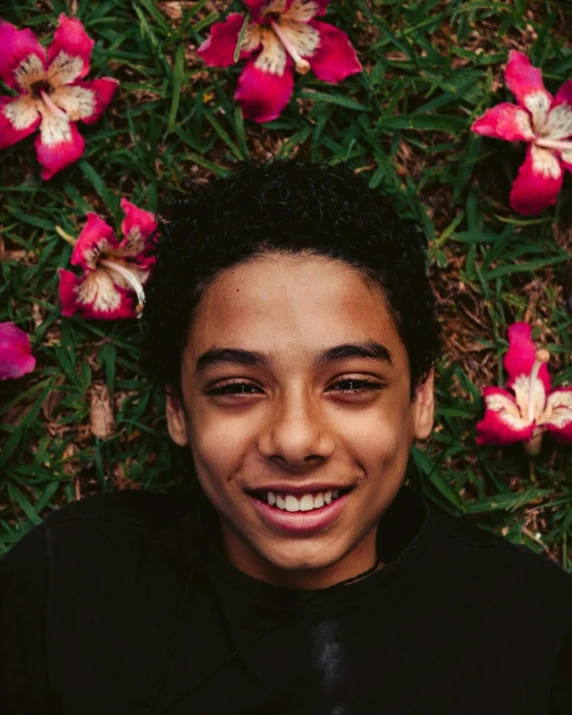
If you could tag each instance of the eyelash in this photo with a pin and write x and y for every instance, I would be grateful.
(366, 386)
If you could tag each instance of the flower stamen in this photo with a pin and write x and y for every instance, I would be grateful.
(553, 144)
(302, 65)
(542, 356)
(66, 236)
(130, 278)
(56, 111)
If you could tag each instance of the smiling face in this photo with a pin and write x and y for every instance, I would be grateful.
(278, 421)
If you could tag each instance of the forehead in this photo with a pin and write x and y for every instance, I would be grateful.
(279, 303)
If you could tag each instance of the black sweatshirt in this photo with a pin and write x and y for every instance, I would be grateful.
(123, 603)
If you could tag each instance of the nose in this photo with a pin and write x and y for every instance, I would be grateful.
(296, 432)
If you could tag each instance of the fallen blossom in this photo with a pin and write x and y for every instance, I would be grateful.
(101, 420)
(114, 271)
(529, 407)
(541, 120)
(16, 357)
(51, 96)
(279, 36)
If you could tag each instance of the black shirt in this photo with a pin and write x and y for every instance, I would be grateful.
(123, 603)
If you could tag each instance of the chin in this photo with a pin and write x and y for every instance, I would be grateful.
(300, 557)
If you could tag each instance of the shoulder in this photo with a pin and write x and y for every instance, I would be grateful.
(87, 557)
(98, 526)
(108, 531)
(137, 508)
(505, 568)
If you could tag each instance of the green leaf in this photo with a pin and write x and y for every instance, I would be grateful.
(339, 99)
(432, 473)
(109, 198)
(178, 75)
(506, 501)
(423, 122)
(240, 40)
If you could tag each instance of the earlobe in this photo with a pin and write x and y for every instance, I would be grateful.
(424, 408)
(176, 422)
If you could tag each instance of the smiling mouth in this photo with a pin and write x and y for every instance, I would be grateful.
(314, 501)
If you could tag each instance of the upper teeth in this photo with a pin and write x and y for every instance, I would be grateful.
(307, 502)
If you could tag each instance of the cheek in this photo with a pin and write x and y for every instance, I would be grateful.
(218, 446)
(382, 454)
(379, 436)
(222, 444)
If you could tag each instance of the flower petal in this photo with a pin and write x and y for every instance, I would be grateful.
(564, 95)
(303, 37)
(85, 100)
(58, 144)
(558, 124)
(292, 9)
(538, 182)
(96, 237)
(16, 357)
(335, 59)
(259, 7)
(70, 52)
(502, 423)
(273, 58)
(262, 95)
(18, 118)
(521, 355)
(95, 296)
(137, 226)
(323, 6)
(218, 49)
(22, 58)
(12, 337)
(104, 88)
(525, 82)
(566, 157)
(523, 387)
(505, 121)
(68, 285)
(15, 363)
(304, 10)
(558, 414)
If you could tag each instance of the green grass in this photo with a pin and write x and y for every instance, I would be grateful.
(431, 68)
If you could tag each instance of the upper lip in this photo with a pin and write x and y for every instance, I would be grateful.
(300, 489)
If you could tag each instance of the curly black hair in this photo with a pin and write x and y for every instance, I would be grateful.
(287, 207)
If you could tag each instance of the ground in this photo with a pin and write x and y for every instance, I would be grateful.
(87, 420)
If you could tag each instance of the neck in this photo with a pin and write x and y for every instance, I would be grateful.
(356, 564)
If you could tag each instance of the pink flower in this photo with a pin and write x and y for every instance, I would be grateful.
(16, 357)
(531, 407)
(281, 35)
(113, 271)
(541, 120)
(51, 95)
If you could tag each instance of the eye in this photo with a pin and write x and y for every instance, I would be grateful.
(353, 386)
(359, 386)
(232, 389)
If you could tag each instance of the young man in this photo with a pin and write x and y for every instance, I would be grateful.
(292, 323)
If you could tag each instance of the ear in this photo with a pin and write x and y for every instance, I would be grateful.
(176, 421)
(424, 408)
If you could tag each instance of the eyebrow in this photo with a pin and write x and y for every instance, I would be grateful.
(370, 350)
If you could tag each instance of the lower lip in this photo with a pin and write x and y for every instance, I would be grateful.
(301, 522)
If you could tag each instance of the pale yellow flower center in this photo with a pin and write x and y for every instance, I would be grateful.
(542, 356)
(131, 278)
(302, 65)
